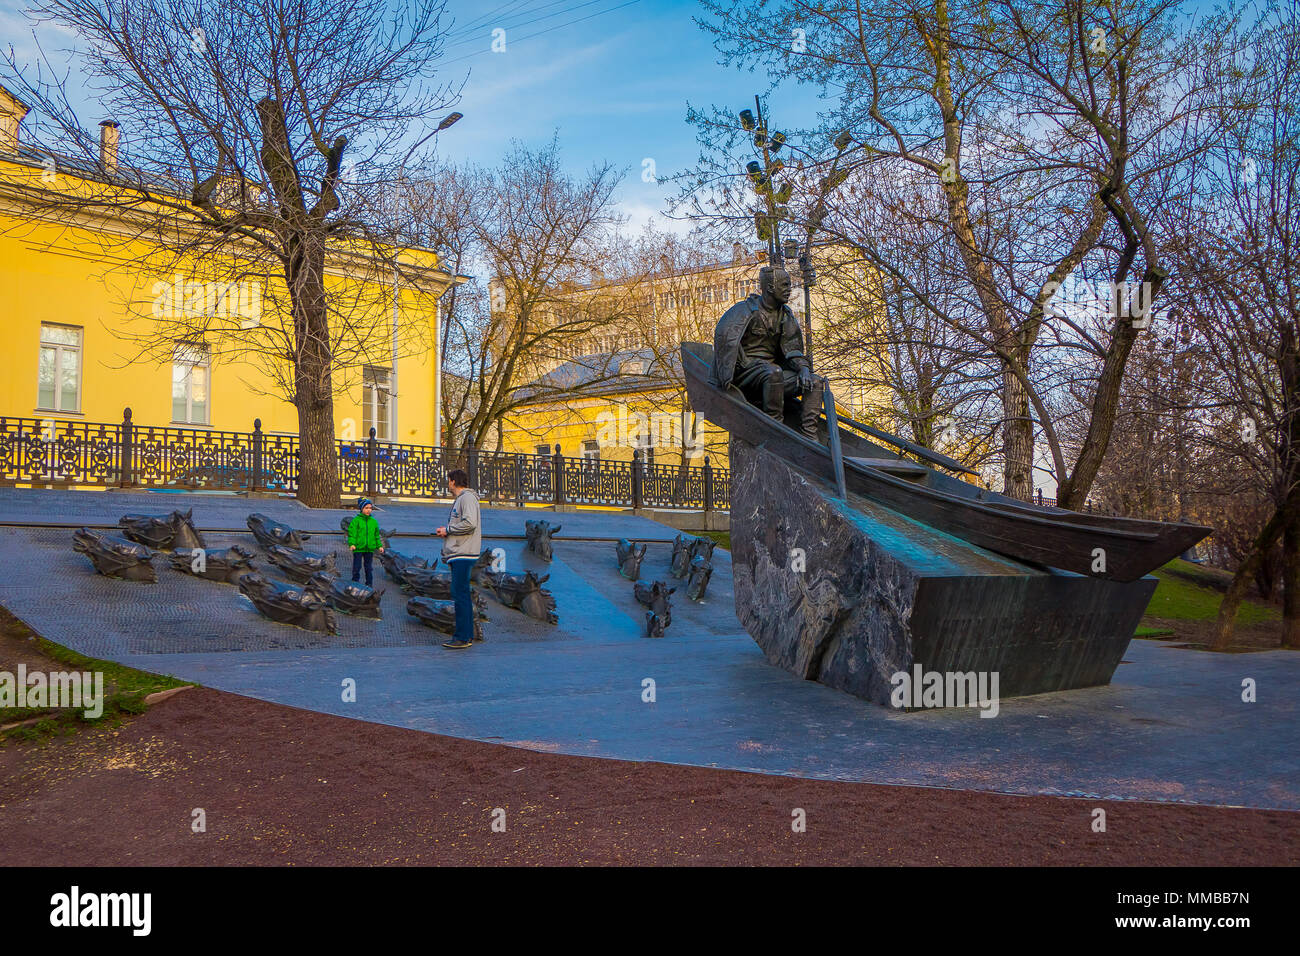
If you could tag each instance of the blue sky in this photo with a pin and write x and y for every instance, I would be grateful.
(616, 88)
(612, 77)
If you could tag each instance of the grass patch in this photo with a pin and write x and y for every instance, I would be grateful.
(126, 680)
(125, 688)
(1215, 578)
(1180, 598)
(723, 538)
(1153, 632)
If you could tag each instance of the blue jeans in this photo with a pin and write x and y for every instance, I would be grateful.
(368, 559)
(460, 593)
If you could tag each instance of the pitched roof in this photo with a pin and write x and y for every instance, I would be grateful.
(602, 373)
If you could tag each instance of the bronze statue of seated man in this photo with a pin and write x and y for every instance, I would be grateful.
(758, 348)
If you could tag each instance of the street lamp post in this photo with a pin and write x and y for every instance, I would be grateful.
(768, 221)
(446, 122)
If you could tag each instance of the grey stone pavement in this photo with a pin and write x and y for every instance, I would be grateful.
(1170, 727)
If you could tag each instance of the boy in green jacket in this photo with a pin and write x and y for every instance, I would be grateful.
(364, 541)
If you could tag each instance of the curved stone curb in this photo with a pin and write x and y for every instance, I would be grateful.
(160, 696)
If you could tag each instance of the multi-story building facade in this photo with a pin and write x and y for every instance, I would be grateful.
(610, 389)
(84, 292)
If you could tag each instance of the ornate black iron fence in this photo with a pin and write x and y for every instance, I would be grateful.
(126, 455)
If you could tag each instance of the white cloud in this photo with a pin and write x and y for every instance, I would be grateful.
(641, 213)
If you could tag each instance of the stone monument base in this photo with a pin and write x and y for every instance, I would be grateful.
(852, 594)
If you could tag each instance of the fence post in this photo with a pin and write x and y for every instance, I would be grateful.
(255, 479)
(637, 468)
(372, 453)
(559, 475)
(708, 484)
(127, 445)
(472, 463)
(519, 481)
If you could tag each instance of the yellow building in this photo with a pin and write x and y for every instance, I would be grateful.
(620, 388)
(88, 303)
(614, 405)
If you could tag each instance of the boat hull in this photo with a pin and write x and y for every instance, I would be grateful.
(1120, 549)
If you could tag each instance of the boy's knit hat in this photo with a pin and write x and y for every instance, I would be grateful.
(361, 503)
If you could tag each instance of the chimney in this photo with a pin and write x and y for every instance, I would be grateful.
(737, 253)
(108, 136)
(12, 112)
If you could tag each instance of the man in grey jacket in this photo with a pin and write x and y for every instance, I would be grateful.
(464, 542)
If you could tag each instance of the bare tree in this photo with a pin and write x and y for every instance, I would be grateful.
(254, 132)
(541, 236)
(1238, 245)
(1035, 138)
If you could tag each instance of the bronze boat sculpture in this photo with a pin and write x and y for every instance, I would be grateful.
(539, 534)
(301, 566)
(270, 532)
(654, 624)
(681, 560)
(347, 596)
(698, 583)
(115, 557)
(1045, 536)
(655, 597)
(629, 557)
(427, 581)
(395, 563)
(480, 574)
(440, 615)
(686, 550)
(163, 532)
(524, 593)
(226, 566)
(301, 606)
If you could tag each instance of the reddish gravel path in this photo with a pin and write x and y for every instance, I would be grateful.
(280, 785)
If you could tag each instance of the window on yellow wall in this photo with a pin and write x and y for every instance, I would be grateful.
(645, 445)
(58, 374)
(376, 387)
(191, 385)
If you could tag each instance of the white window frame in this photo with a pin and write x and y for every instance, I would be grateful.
(645, 445)
(179, 357)
(59, 349)
(370, 394)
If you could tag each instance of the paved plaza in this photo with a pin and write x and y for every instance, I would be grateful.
(1171, 726)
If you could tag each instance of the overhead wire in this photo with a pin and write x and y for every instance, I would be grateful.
(558, 26)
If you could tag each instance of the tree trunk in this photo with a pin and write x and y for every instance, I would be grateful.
(1073, 491)
(304, 273)
(1017, 426)
(318, 470)
(1227, 619)
(319, 485)
(1017, 440)
(1291, 580)
(1289, 453)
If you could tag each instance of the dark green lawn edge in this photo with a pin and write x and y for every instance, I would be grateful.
(125, 688)
(723, 538)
